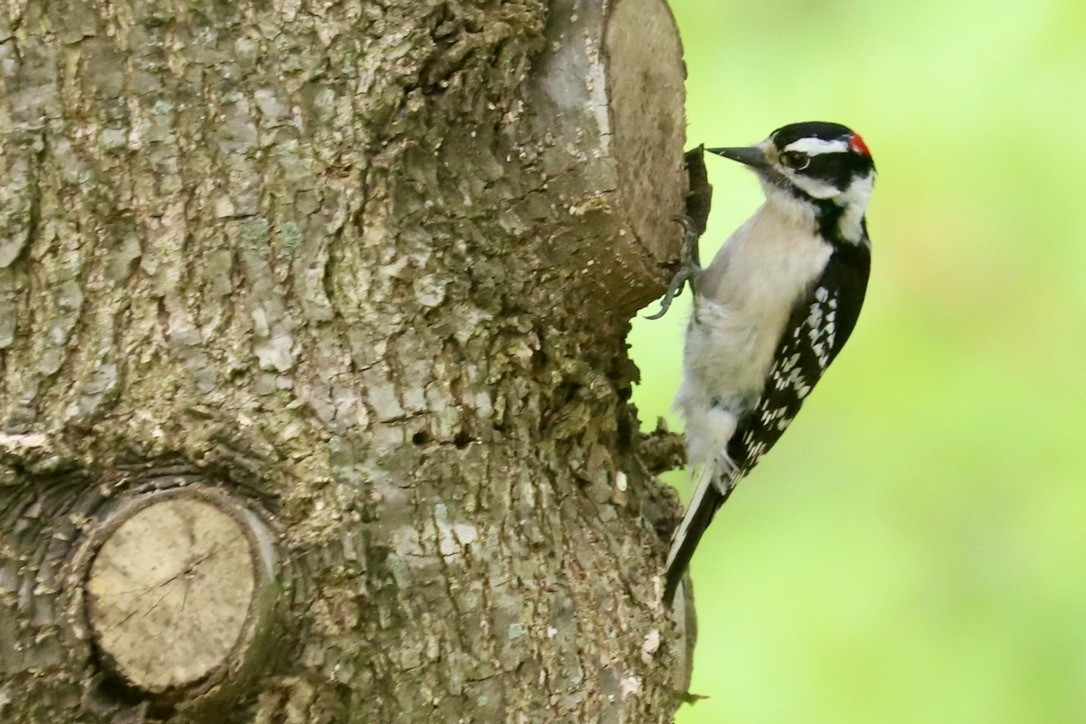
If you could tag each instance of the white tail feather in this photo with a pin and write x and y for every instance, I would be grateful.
(705, 479)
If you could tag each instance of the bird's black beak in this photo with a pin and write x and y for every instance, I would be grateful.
(751, 156)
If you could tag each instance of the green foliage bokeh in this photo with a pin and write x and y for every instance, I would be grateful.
(914, 549)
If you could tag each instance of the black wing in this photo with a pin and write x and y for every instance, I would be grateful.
(817, 329)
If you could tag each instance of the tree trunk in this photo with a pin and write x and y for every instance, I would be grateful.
(313, 381)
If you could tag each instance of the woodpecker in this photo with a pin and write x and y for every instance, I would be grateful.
(772, 310)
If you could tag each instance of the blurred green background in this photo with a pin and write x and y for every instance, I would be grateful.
(914, 549)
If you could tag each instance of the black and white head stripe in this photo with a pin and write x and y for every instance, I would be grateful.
(832, 155)
(826, 164)
(818, 137)
(817, 146)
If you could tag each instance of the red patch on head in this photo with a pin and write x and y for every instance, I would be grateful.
(855, 143)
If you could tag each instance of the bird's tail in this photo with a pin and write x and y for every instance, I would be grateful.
(709, 494)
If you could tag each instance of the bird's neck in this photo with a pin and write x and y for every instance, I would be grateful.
(840, 220)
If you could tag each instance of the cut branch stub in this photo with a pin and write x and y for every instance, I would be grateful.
(645, 75)
(178, 590)
(607, 94)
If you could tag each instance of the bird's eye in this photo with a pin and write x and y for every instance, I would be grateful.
(795, 160)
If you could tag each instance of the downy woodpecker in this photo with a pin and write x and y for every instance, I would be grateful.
(772, 310)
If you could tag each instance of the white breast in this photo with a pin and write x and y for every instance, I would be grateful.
(744, 299)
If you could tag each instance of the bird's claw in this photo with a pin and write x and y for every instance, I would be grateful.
(688, 267)
(685, 273)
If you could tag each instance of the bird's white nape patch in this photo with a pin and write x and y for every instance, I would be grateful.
(818, 146)
(854, 200)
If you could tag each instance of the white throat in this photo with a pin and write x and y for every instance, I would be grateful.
(786, 203)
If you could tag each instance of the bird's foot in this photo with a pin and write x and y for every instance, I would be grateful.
(689, 266)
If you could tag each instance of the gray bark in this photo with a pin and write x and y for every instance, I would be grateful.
(313, 381)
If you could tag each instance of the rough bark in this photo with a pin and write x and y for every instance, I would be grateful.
(313, 381)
